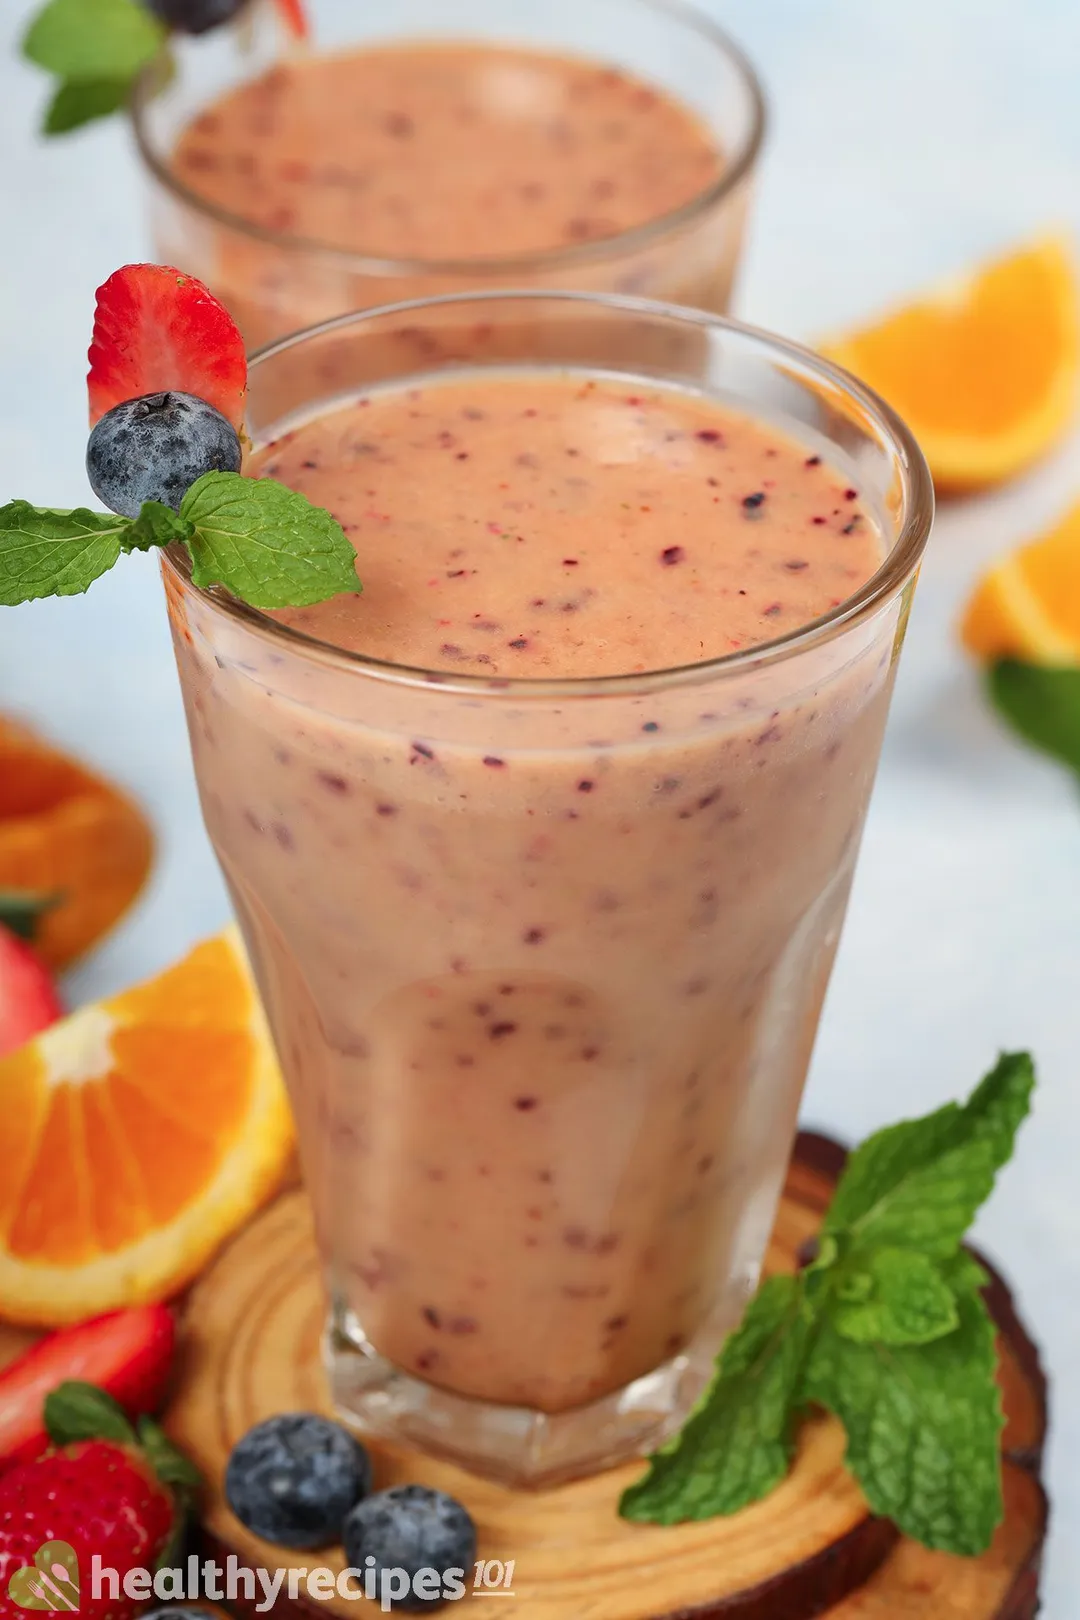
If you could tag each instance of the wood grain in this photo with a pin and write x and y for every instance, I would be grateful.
(250, 1347)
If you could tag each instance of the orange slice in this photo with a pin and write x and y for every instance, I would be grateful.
(65, 831)
(1028, 605)
(984, 368)
(134, 1137)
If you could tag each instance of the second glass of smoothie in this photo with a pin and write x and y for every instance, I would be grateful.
(446, 145)
(541, 844)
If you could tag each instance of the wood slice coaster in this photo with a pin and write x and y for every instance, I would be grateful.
(251, 1347)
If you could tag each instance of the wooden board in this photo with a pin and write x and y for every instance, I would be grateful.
(250, 1347)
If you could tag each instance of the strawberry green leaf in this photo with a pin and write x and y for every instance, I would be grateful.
(266, 544)
(170, 1464)
(80, 1411)
(81, 101)
(21, 910)
(93, 39)
(44, 553)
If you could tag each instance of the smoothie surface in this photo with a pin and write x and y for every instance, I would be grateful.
(545, 524)
(442, 151)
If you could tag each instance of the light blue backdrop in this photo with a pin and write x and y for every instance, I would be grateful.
(907, 139)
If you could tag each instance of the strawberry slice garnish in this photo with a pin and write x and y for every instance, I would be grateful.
(157, 330)
(294, 15)
(28, 999)
(127, 1353)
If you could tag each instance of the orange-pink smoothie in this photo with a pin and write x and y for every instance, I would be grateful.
(545, 982)
(430, 152)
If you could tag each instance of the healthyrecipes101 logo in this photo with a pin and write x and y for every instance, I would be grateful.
(52, 1582)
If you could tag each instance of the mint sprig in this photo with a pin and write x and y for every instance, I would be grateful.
(95, 49)
(1042, 703)
(266, 544)
(887, 1329)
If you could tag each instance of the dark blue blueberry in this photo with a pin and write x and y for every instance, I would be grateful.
(155, 447)
(195, 16)
(292, 1479)
(410, 1528)
(178, 1611)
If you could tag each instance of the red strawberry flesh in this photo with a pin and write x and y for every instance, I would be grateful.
(128, 1353)
(99, 1497)
(28, 999)
(155, 330)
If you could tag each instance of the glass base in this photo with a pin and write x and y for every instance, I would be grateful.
(513, 1444)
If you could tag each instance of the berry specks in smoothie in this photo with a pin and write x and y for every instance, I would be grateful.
(444, 143)
(466, 563)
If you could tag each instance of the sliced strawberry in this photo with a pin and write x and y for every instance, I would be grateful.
(156, 329)
(28, 999)
(127, 1353)
(294, 16)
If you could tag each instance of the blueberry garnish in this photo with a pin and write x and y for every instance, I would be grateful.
(179, 1611)
(410, 1528)
(292, 1479)
(195, 16)
(155, 447)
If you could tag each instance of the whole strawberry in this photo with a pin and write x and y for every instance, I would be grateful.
(111, 1495)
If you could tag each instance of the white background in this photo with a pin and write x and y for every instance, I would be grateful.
(907, 140)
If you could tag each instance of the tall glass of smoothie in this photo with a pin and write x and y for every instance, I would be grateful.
(439, 146)
(541, 844)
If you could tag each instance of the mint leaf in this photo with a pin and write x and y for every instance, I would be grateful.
(918, 1185)
(736, 1446)
(1041, 703)
(963, 1273)
(80, 101)
(78, 1411)
(21, 910)
(54, 553)
(895, 1297)
(94, 39)
(265, 543)
(156, 525)
(923, 1427)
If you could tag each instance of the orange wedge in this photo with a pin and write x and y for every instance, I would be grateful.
(67, 832)
(134, 1137)
(1028, 605)
(983, 369)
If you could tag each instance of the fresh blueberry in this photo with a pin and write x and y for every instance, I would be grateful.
(155, 447)
(178, 1611)
(195, 16)
(292, 1479)
(410, 1528)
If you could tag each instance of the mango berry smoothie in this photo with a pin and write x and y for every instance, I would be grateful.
(400, 167)
(544, 981)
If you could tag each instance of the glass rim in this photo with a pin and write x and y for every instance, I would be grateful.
(915, 519)
(154, 77)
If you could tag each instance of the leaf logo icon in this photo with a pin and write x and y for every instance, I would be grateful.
(51, 1582)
